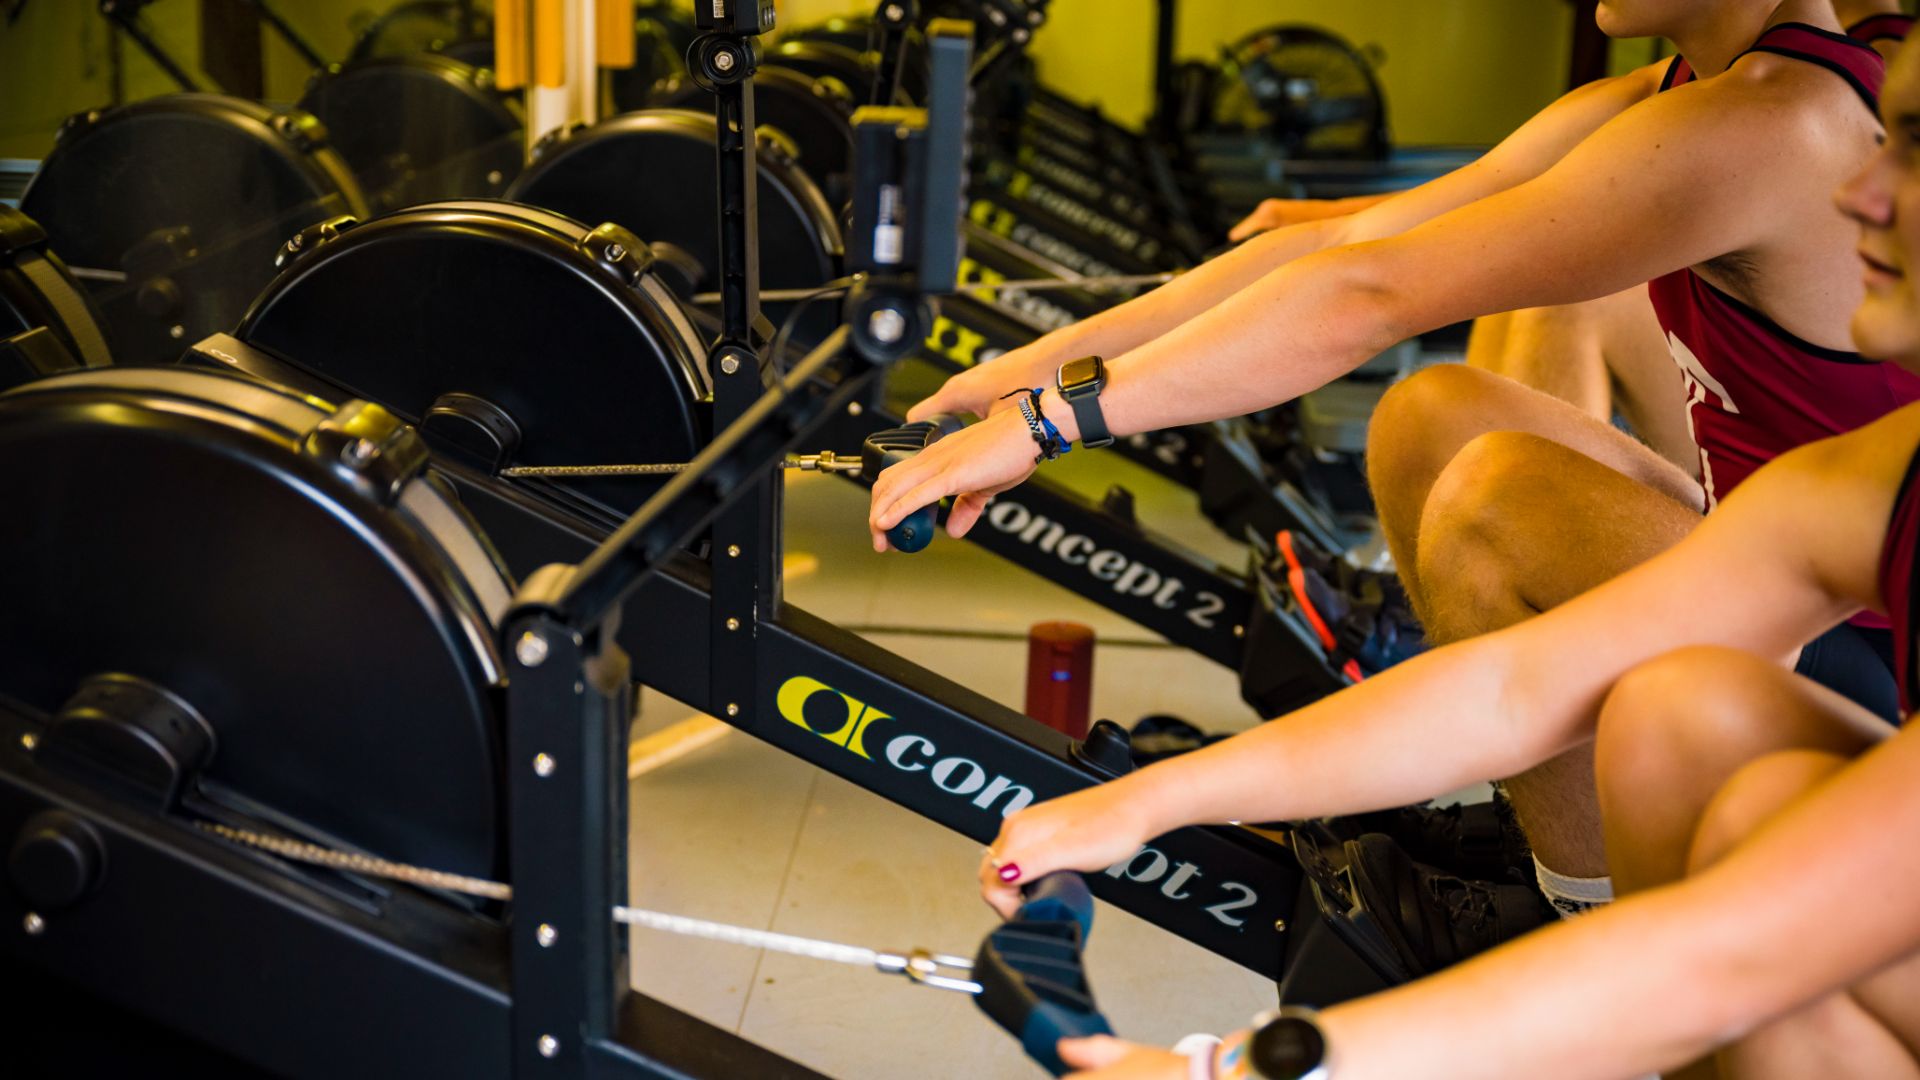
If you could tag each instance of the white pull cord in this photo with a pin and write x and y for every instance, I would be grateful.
(917, 965)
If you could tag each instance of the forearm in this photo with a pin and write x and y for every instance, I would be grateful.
(1665, 977)
(1432, 725)
(1624, 991)
(1141, 320)
(1292, 331)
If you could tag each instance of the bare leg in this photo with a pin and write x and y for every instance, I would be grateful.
(1601, 356)
(1488, 342)
(1696, 750)
(1675, 730)
(1515, 525)
(1557, 351)
(1868, 1031)
(1423, 423)
(1645, 383)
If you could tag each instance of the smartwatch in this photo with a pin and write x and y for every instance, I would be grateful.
(1288, 1044)
(1080, 382)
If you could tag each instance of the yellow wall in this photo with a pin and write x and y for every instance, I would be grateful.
(1456, 71)
(54, 60)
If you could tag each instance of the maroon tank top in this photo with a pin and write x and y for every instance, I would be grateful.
(1897, 582)
(1756, 390)
(1881, 28)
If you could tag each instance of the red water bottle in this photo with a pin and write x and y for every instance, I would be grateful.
(1060, 676)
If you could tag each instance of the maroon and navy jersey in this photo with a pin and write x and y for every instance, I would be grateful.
(1881, 28)
(1756, 390)
(1897, 582)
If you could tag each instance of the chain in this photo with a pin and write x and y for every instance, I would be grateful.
(1092, 284)
(349, 861)
(918, 965)
(558, 471)
(823, 462)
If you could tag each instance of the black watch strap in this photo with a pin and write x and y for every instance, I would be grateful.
(1083, 395)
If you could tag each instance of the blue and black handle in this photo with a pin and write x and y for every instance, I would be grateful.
(887, 448)
(1032, 975)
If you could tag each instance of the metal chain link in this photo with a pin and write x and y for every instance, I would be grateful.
(823, 462)
(596, 470)
(299, 851)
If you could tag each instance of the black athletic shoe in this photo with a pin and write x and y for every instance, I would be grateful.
(1159, 737)
(1435, 920)
(1476, 841)
(1362, 617)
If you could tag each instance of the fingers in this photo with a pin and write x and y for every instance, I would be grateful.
(966, 511)
(1001, 895)
(1017, 857)
(1094, 1052)
(932, 406)
(925, 493)
(1262, 219)
(892, 487)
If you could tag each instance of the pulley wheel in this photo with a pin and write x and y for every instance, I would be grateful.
(332, 623)
(171, 210)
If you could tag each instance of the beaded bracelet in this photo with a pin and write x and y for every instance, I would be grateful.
(1045, 432)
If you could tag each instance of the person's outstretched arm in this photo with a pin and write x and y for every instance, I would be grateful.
(1555, 239)
(1660, 979)
(1527, 153)
(1761, 574)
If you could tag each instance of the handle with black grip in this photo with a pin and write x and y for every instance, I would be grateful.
(1032, 976)
(888, 448)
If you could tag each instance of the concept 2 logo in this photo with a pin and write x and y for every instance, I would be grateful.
(882, 739)
(849, 723)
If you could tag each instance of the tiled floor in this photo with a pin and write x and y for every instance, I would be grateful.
(740, 832)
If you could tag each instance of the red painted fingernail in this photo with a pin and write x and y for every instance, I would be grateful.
(1010, 872)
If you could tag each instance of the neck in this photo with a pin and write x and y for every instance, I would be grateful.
(1723, 32)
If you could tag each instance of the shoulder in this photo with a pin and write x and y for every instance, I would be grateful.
(1645, 81)
(1771, 106)
(1792, 87)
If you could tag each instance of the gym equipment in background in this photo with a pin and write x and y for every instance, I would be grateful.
(188, 745)
(172, 210)
(1312, 93)
(419, 128)
(47, 321)
(488, 417)
(461, 29)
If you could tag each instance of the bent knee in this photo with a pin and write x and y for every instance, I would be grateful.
(1478, 527)
(1700, 695)
(1423, 420)
(1756, 793)
(1676, 720)
(1494, 476)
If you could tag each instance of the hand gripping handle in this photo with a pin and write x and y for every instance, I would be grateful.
(887, 448)
(1059, 897)
(1033, 981)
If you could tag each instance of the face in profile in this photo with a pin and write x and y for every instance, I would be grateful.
(1885, 200)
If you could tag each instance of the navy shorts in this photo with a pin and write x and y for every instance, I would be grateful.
(1857, 663)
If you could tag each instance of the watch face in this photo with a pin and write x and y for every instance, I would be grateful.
(1288, 1049)
(1081, 374)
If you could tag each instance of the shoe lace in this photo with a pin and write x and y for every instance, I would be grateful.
(1469, 904)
